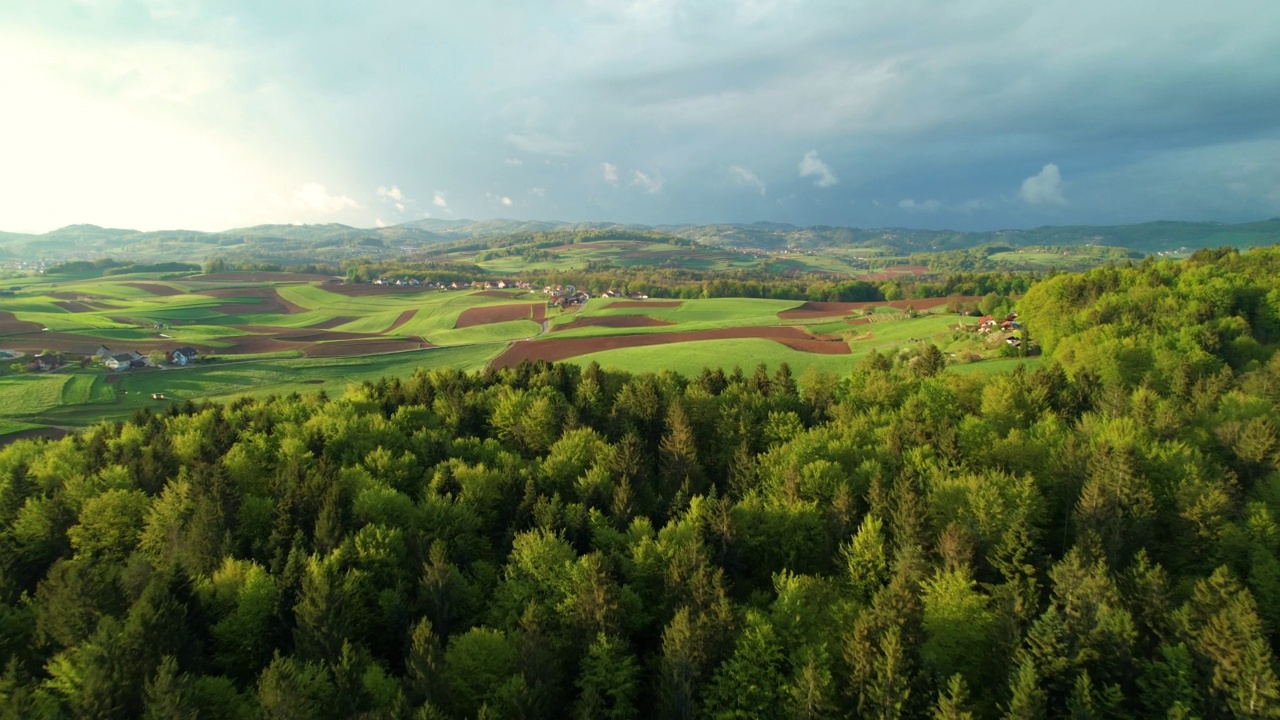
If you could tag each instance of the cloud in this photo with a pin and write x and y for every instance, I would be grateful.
(538, 191)
(928, 206)
(812, 166)
(439, 200)
(313, 196)
(506, 201)
(1044, 188)
(610, 173)
(744, 176)
(650, 183)
(392, 194)
(379, 223)
(513, 161)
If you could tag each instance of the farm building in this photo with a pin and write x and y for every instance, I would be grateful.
(125, 360)
(46, 361)
(183, 355)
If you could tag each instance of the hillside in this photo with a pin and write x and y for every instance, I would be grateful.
(296, 244)
(1093, 538)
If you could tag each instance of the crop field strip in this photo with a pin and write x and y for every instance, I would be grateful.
(281, 336)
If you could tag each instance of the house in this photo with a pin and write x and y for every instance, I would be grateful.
(125, 360)
(103, 353)
(183, 355)
(46, 361)
(1015, 342)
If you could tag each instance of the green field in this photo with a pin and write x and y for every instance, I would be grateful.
(274, 350)
(76, 400)
(691, 357)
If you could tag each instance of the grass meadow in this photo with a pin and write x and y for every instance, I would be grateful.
(121, 310)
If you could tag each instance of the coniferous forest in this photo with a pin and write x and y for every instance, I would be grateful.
(1096, 537)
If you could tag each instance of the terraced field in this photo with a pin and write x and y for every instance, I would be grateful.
(279, 333)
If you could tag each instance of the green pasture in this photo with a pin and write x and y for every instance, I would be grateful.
(690, 358)
(224, 380)
(700, 314)
(491, 333)
(25, 394)
(297, 320)
(515, 264)
(12, 426)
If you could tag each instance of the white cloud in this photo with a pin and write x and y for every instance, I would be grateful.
(812, 166)
(514, 161)
(744, 176)
(379, 223)
(392, 194)
(1044, 188)
(927, 206)
(313, 196)
(399, 207)
(650, 183)
(439, 201)
(540, 192)
(610, 173)
(506, 201)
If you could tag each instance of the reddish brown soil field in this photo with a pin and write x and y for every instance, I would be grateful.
(472, 317)
(154, 288)
(72, 306)
(33, 434)
(10, 325)
(330, 323)
(365, 347)
(254, 344)
(405, 317)
(258, 277)
(812, 310)
(555, 350)
(86, 345)
(616, 321)
(268, 302)
(646, 303)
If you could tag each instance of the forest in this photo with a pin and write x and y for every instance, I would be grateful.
(1093, 538)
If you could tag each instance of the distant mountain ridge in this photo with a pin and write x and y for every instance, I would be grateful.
(334, 242)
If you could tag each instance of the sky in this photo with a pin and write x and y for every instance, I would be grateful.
(966, 114)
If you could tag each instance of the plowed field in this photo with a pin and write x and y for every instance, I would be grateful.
(10, 325)
(472, 317)
(365, 347)
(268, 302)
(554, 350)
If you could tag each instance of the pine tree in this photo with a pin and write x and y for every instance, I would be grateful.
(952, 701)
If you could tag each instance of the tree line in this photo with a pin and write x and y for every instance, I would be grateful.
(1093, 537)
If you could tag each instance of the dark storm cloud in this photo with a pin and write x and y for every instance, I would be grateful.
(921, 113)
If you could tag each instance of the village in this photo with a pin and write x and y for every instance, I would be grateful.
(112, 360)
(561, 296)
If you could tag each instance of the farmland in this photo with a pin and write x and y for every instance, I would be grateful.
(274, 333)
